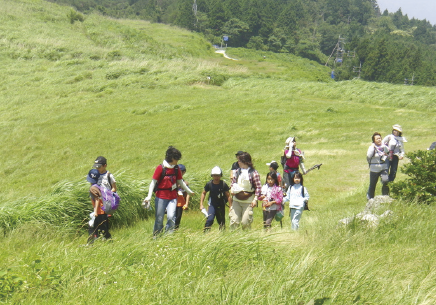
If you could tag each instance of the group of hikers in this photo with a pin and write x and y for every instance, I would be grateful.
(383, 157)
(172, 193)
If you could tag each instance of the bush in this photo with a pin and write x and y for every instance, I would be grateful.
(420, 185)
(75, 16)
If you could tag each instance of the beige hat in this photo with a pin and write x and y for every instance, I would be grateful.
(397, 127)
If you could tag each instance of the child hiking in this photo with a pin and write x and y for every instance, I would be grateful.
(272, 198)
(182, 199)
(166, 177)
(100, 178)
(218, 195)
(297, 196)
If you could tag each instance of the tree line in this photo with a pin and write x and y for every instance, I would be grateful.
(390, 47)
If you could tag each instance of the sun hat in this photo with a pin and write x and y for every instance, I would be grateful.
(397, 128)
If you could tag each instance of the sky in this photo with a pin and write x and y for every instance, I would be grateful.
(420, 9)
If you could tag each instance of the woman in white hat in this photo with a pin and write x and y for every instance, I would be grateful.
(395, 143)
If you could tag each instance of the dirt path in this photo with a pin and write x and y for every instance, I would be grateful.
(224, 54)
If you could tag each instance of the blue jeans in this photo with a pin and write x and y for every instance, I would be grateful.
(160, 206)
(393, 166)
(295, 215)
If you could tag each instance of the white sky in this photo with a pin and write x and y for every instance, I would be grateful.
(420, 9)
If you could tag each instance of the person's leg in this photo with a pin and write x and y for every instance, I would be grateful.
(373, 178)
(265, 216)
(179, 212)
(286, 181)
(269, 218)
(220, 213)
(393, 166)
(247, 215)
(384, 176)
(171, 215)
(160, 206)
(295, 217)
(210, 218)
(235, 214)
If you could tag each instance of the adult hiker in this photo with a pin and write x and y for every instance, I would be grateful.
(377, 157)
(292, 160)
(246, 189)
(166, 177)
(395, 143)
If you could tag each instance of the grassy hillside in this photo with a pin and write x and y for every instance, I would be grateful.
(128, 89)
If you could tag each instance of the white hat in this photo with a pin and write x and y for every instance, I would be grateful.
(273, 164)
(216, 171)
(397, 127)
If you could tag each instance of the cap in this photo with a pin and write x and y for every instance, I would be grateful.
(216, 171)
(397, 127)
(93, 176)
(182, 167)
(100, 161)
(273, 164)
(240, 152)
(432, 146)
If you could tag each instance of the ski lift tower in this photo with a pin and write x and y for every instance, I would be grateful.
(340, 51)
(194, 9)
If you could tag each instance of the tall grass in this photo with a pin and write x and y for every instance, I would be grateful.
(129, 89)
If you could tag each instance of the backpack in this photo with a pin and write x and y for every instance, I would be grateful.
(221, 193)
(111, 201)
(162, 176)
(250, 174)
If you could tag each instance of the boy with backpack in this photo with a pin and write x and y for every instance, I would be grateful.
(102, 183)
(166, 177)
(219, 194)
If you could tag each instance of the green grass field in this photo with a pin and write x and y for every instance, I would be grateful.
(127, 90)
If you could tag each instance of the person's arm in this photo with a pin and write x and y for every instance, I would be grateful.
(114, 187)
(306, 195)
(146, 202)
(203, 195)
(185, 187)
(370, 153)
(258, 185)
(229, 198)
(303, 169)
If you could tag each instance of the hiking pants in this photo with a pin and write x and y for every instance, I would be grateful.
(179, 213)
(160, 206)
(241, 213)
(373, 178)
(101, 227)
(219, 212)
(393, 166)
(268, 217)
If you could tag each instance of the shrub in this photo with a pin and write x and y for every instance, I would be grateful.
(421, 182)
(75, 16)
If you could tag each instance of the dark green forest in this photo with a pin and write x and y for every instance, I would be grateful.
(351, 36)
